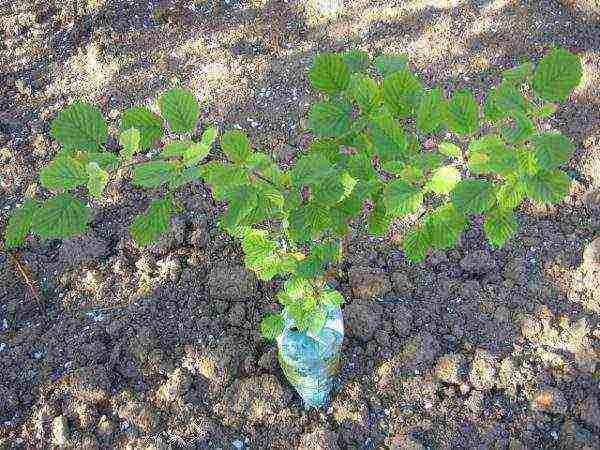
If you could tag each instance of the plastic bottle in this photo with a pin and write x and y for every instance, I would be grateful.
(310, 361)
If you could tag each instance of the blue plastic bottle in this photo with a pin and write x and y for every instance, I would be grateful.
(310, 361)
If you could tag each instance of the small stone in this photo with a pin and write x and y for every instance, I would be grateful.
(83, 250)
(478, 263)
(60, 431)
(105, 429)
(590, 413)
(237, 314)
(531, 329)
(368, 283)
(591, 254)
(362, 319)
(231, 283)
(403, 320)
(404, 442)
(575, 436)
(257, 398)
(420, 351)
(402, 284)
(177, 384)
(142, 415)
(449, 368)
(89, 384)
(319, 439)
(482, 375)
(475, 402)
(268, 360)
(516, 270)
(591, 200)
(549, 400)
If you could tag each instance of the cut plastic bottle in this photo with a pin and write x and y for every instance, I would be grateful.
(310, 361)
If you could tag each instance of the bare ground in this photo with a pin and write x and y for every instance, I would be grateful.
(158, 348)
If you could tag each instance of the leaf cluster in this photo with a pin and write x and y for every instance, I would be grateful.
(367, 151)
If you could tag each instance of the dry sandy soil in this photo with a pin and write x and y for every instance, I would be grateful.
(157, 348)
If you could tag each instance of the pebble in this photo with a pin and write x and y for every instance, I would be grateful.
(482, 375)
(60, 431)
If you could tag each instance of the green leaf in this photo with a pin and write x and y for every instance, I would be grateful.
(557, 75)
(328, 252)
(106, 160)
(330, 119)
(426, 161)
(272, 326)
(175, 149)
(195, 153)
(310, 267)
(180, 108)
(545, 111)
(80, 126)
(356, 60)
(520, 129)
(518, 74)
(401, 198)
(401, 91)
(298, 288)
(149, 125)
(63, 173)
(260, 254)
(308, 221)
(379, 221)
(236, 146)
(365, 92)
(148, 228)
(547, 186)
(432, 111)
(463, 113)
(416, 244)
(450, 149)
(388, 64)
(327, 148)
(130, 141)
(330, 298)
(184, 177)
(19, 225)
(209, 136)
(329, 73)
(500, 225)
(444, 180)
(490, 154)
(97, 179)
(153, 174)
(474, 196)
(552, 150)
(222, 178)
(491, 110)
(528, 163)
(511, 193)
(509, 100)
(317, 320)
(329, 191)
(444, 226)
(389, 140)
(241, 200)
(61, 216)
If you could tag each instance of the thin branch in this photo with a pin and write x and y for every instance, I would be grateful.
(27, 276)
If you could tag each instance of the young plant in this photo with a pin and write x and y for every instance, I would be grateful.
(366, 164)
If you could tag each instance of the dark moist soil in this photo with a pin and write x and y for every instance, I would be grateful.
(158, 348)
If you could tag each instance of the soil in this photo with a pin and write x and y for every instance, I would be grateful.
(158, 348)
